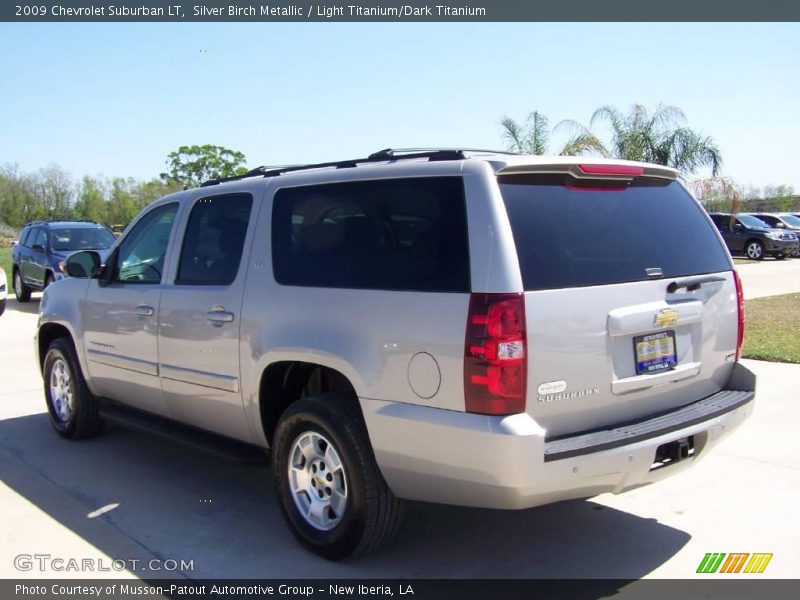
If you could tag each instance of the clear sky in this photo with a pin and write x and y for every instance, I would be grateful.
(114, 99)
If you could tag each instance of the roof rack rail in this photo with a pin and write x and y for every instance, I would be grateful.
(41, 221)
(387, 154)
(390, 153)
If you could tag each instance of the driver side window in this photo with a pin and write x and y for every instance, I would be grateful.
(142, 252)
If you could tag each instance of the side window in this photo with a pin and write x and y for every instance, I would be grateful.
(722, 222)
(397, 234)
(39, 238)
(23, 237)
(212, 246)
(142, 252)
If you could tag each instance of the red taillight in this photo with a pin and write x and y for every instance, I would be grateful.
(740, 307)
(623, 170)
(495, 365)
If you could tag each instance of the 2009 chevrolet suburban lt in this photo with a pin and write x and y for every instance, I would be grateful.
(453, 326)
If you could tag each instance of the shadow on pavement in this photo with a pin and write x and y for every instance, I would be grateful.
(183, 504)
(30, 307)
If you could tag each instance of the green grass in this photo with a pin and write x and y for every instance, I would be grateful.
(5, 262)
(771, 332)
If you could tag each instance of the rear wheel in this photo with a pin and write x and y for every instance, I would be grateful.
(330, 489)
(21, 291)
(73, 410)
(754, 250)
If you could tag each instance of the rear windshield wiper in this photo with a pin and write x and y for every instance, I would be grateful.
(693, 283)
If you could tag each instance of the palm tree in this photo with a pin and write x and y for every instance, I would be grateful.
(530, 138)
(533, 136)
(660, 137)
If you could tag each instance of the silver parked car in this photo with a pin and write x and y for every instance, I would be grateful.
(453, 326)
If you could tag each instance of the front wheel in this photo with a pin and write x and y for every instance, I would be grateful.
(754, 250)
(21, 291)
(331, 492)
(73, 410)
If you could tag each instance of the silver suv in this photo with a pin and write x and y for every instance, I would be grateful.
(452, 326)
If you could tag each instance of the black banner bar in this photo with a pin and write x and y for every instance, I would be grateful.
(712, 587)
(393, 11)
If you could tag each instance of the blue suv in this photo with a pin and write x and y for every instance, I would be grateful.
(44, 246)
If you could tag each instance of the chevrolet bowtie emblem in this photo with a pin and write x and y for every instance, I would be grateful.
(665, 317)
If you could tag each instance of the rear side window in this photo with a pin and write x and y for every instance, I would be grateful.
(581, 237)
(396, 234)
(212, 248)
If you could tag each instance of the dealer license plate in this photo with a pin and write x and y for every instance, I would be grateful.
(655, 352)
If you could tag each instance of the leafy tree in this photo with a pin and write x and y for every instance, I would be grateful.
(18, 200)
(55, 191)
(91, 203)
(190, 166)
(660, 137)
(718, 194)
(122, 204)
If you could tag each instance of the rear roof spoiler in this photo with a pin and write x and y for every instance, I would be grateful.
(590, 170)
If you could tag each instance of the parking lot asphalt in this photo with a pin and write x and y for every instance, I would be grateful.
(770, 277)
(126, 495)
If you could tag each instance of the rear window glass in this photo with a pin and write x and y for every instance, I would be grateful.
(571, 238)
(397, 234)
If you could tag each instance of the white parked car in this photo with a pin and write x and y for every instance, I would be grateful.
(3, 288)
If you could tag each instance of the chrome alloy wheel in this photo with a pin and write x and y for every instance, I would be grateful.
(17, 285)
(62, 395)
(754, 251)
(317, 480)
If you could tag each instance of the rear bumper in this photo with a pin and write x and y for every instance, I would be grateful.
(450, 457)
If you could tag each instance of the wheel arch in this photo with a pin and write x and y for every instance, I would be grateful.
(49, 332)
(284, 382)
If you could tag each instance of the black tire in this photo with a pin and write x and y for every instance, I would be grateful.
(84, 420)
(372, 514)
(2, 306)
(21, 291)
(47, 281)
(754, 250)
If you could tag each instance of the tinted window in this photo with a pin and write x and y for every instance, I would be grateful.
(771, 221)
(791, 220)
(751, 221)
(212, 248)
(38, 238)
(80, 238)
(23, 237)
(143, 251)
(569, 238)
(399, 234)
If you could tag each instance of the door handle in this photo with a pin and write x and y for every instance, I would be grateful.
(145, 311)
(220, 316)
